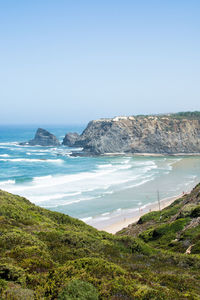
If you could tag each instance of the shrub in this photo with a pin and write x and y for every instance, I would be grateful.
(196, 248)
(17, 293)
(151, 216)
(12, 273)
(78, 289)
(196, 212)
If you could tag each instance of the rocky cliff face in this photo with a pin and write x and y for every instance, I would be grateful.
(141, 135)
(44, 138)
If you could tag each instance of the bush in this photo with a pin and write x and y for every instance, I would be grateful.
(18, 293)
(10, 272)
(151, 216)
(196, 212)
(78, 289)
(196, 248)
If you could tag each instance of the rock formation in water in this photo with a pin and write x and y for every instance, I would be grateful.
(142, 134)
(44, 138)
(70, 139)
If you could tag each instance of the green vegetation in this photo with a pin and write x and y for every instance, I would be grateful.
(175, 228)
(189, 115)
(78, 289)
(49, 255)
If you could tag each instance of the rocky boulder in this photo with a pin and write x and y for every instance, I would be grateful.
(70, 139)
(44, 138)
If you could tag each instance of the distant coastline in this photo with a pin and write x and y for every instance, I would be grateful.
(152, 135)
(86, 154)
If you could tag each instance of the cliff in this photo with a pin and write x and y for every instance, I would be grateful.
(143, 134)
(49, 255)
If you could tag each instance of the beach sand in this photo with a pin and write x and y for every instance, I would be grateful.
(142, 211)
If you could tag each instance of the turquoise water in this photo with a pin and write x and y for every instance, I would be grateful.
(98, 190)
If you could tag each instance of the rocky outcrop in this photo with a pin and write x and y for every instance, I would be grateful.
(151, 134)
(44, 138)
(70, 139)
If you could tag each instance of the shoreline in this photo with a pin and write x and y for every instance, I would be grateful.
(115, 227)
(89, 154)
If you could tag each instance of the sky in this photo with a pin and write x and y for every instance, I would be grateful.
(72, 61)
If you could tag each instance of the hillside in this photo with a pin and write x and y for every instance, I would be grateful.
(162, 134)
(48, 255)
(175, 228)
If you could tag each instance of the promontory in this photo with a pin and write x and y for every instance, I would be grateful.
(162, 134)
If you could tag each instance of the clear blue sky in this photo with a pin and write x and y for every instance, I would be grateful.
(73, 61)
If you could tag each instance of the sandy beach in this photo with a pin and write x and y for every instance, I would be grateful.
(142, 211)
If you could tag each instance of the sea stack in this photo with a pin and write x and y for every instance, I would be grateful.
(70, 139)
(44, 138)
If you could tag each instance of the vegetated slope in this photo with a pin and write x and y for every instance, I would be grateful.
(175, 228)
(49, 255)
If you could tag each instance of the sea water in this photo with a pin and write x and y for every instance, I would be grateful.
(98, 190)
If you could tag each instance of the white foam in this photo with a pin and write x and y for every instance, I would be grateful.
(52, 197)
(114, 167)
(100, 218)
(78, 149)
(10, 144)
(42, 178)
(105, 166)
(60, 204)
(64, 203)
(4, 155)
(32, 160)
(82, 182)
(38, 150)
(7, 182)
(140, 183)
(86, 219)
(69, 202)
(62, 189)
(40, 153)
(127, 161)
(105, 214)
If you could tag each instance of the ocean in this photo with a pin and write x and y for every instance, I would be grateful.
(98, 190)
